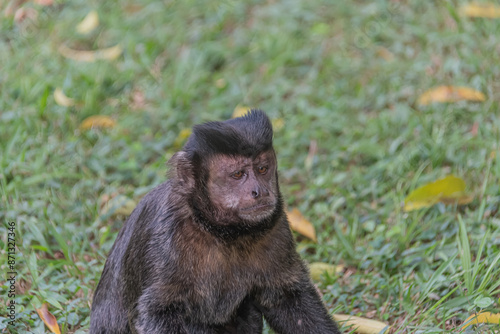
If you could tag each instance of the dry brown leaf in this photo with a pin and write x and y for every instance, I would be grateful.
(24, 13)
(48, 318)
(138, 100)
(12, 6)
(300, 224)
(132, 8)
(483, 317)
(89, 23)
(450, 94)
(361, 325)
(220, 83)
(97, 121)
(318, 268)
(61, 98)
(385, 54)
(313, 149)
(44, 2)
(475, 129)
(110, 53)
(486, 10)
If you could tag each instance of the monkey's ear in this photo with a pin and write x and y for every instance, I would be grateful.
(181, 169)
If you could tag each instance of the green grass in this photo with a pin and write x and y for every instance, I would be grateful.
(317, 65)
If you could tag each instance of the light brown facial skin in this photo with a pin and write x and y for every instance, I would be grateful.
(245, 186)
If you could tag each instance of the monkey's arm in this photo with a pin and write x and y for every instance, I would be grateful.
(297, 310)
(152, 316)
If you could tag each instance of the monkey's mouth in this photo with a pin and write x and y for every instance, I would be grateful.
(259, 207)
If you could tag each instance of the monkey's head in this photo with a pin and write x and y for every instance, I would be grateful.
(229, 170)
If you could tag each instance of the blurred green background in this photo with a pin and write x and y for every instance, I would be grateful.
(343, 79)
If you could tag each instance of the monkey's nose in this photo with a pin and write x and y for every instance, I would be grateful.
(255, 193)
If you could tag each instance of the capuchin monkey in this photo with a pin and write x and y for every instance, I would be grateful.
(210, 251)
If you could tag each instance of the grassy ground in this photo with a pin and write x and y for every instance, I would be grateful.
(345, 75)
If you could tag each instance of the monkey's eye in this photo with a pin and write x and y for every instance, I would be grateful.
(262, 170)
(237, 175)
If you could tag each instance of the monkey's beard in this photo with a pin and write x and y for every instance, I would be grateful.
(230, 225)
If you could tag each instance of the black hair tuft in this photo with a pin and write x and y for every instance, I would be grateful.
(247, 136)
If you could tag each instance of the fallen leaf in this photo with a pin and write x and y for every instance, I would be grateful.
(12, 6)
(318, 268)
(486, 10)
(474, 129)
(278, 123)
(24, 13)
(361, 325)
(44, 2)
(181, 138)
(483, 317)
(23, 286)
(118, 206)
(110, 53)
(300, 224)
(450, 94)
(97, 121)
(220, 83)
(385, 54)
(138, 100)
(313, 149)
(448, 190)
(132, 8)
(240, 111)
(61, 98)
(89, 23)
(48, 318)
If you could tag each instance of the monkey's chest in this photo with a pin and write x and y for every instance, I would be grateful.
(215, 296)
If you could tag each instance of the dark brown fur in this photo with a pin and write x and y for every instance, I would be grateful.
(190, 259)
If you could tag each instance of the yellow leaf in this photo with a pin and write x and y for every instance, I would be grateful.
(487, 10)
(48, 318)
(119, 205)
(97, 121)
(61, 98)
(181, 138)
(110, 53)
(448, 190)
(483, 317)
(318, 268)
(300, 224)
(361, 325)
(385, 54)
(220, 83)
(278, 123)
(240, 111)
(89, 23)
(450, 94)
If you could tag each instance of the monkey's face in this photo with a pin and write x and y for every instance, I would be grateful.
(245, 187)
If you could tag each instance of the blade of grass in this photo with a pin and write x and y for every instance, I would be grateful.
(465, 256)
